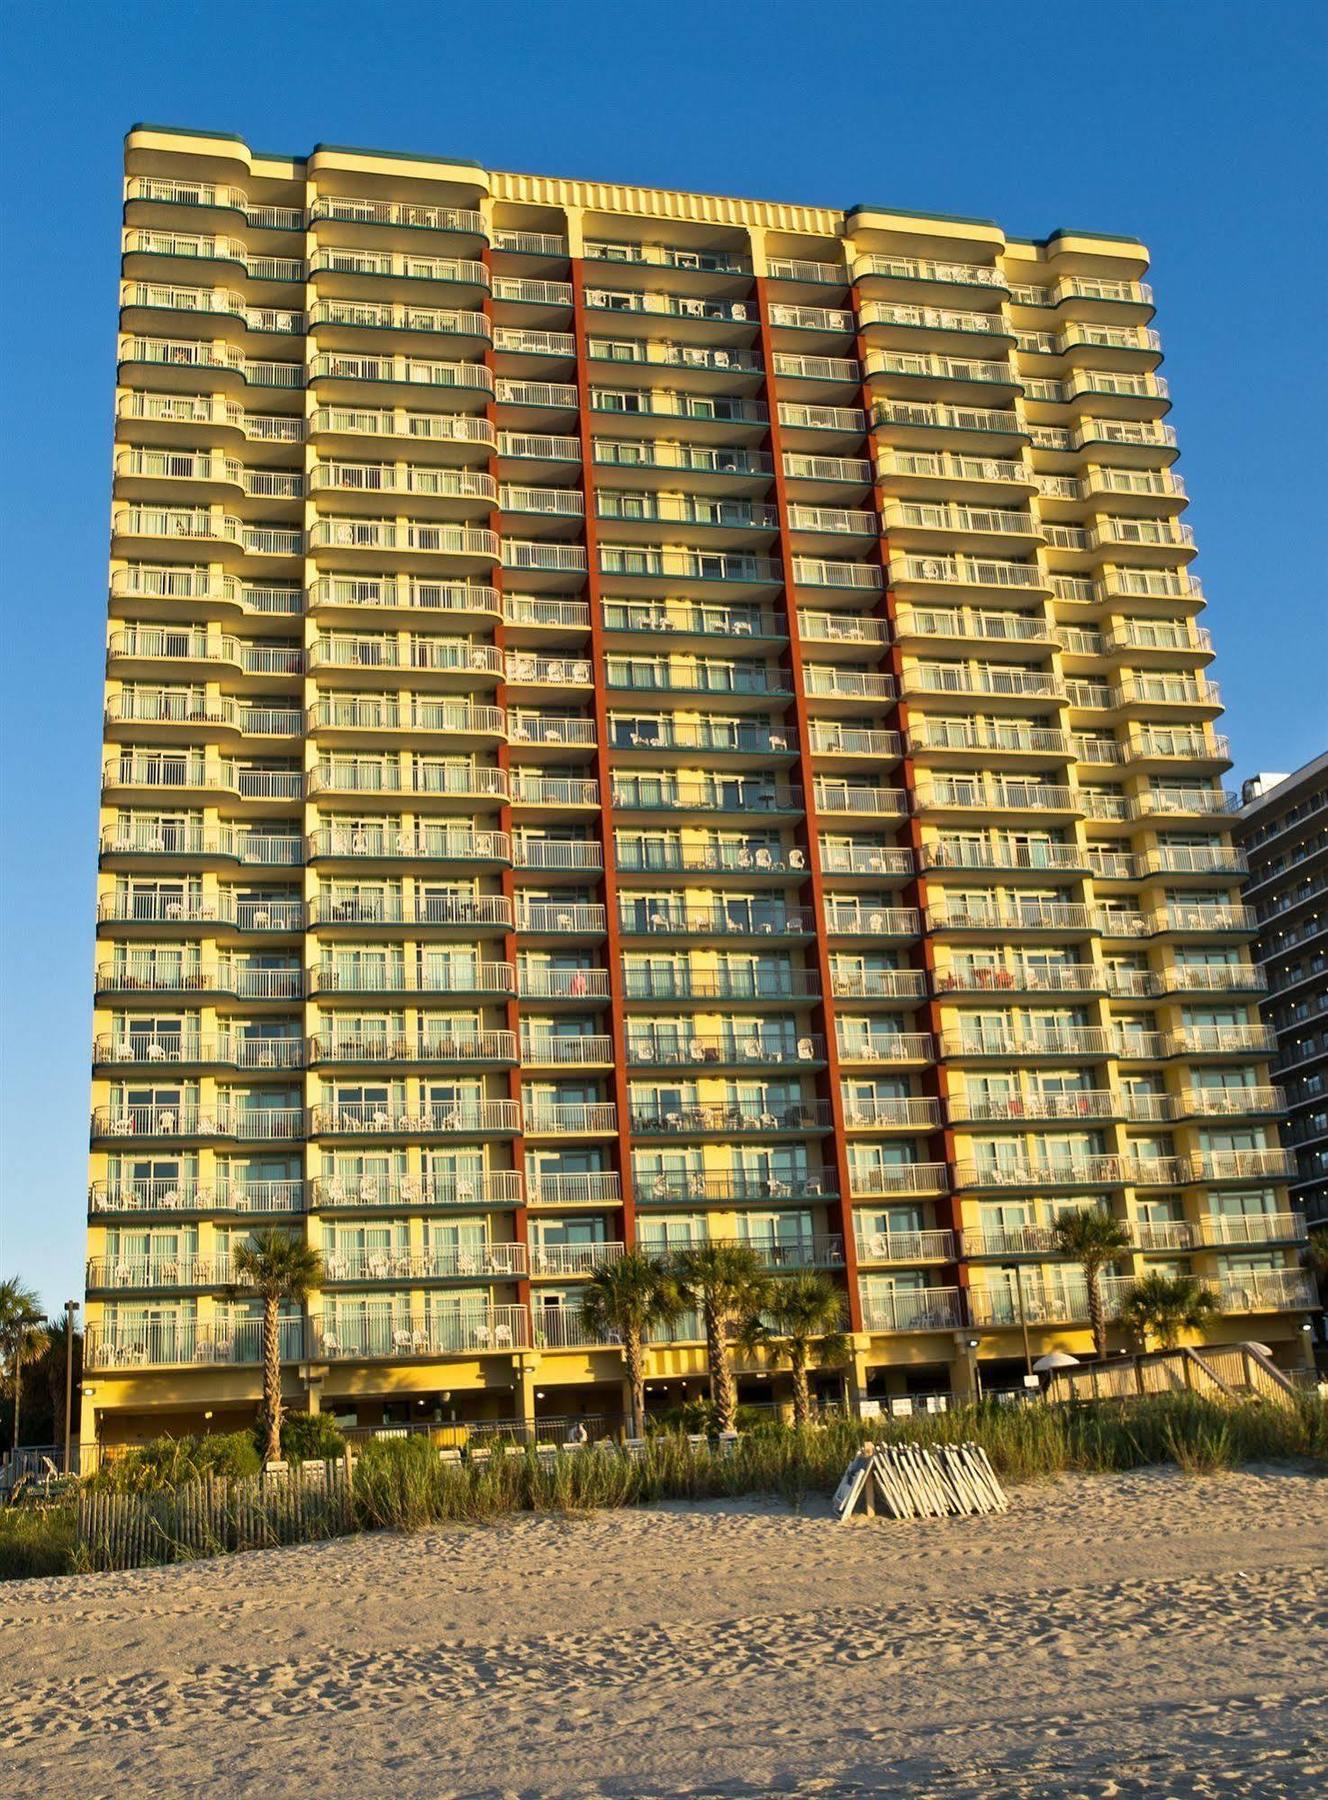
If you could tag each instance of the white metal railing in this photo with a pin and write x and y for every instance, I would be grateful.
(912, 1309)
(187, 1194)
(905, 1246)
(469, 1330)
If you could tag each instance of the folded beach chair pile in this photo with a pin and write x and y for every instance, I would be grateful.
(908, 1481)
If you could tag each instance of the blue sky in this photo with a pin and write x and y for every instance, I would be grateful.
(1197, 125)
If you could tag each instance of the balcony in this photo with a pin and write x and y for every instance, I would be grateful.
(385, 593)
(191, 1120)
(458, 1046)
(571, 1119)
(185, 1270)
(1054, 978)
(905, 1246)
(170, 1196)
(443, 974)
(469, 1331)
(591, 1190)
(174, 1343)
(405, 215)
(750, 919)
(870, 1182)
(556, 855)
(172, 977)
(485, 1261)
(742, 983)
(540, 917)
(716, 1189)
(722, 1119)
(856, 918)
(462, 1118)
(948, 853)
(1079, 1170)
(470, 384)
(433, 844)
(654, 793)
(167, 839)
(711, 859)
(152, 908)
(886, 1047)
(947, 913)
(865, 859)
(912, 1309)
(546, 1050)
(573, 1260)
(747, 737)
(236, 1052)
(1267, 1290)
(493, 1188)
(1063, 1040)
(1037, 1108)
(339, 321)
(1016, 684)
(867, 802)
(460, 781)
(668, 1048)
(1232, 1231)
(909, 985)
(920, 1113)
(1242, 1165)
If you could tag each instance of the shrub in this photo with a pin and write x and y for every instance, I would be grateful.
(38, 1540)
(307, 1437)
(171, 1462)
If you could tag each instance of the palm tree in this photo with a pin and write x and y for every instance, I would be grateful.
(1166, 1305)
(802, 1312)
(22, 1335)
(624, 1298)
(727, 1283)
(276, 1267)
(1093, 1238)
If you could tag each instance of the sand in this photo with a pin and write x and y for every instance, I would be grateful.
(1128, 1635)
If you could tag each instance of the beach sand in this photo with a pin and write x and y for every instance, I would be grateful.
(1110, 1635)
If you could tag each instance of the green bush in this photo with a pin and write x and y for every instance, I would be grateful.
(307, 1437)
(171, 1462)
(38, 1540)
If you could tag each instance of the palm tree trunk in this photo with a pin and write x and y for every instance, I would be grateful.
(18, 1387)
(723, 1389)
(636, 1377)
(802, 1399)
(272, 1381)
(1097, 1316)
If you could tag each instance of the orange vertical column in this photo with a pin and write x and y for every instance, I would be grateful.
(521, 1220)
(603, 758)
(811, 826)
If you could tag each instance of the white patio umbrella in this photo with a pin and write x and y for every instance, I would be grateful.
(1055, 1359)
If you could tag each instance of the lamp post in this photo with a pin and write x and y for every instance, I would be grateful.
(1015, 1270)
(71, 1307)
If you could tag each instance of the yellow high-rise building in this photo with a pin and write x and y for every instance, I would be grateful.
(635, 717)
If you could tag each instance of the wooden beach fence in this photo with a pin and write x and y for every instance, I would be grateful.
(909, 1481)
(214, 1515)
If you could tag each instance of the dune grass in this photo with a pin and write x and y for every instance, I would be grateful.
(403, 1485)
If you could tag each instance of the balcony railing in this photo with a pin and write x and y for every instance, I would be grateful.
(912, 1309)
(906, 1246)
(571, 1119)
(423, 1046)
(462, 1118)
(469, 1331)
(573, 1259)
(167, 1343)
(716, 1188)
(866, 1181)
(668, 1047)
(169, 1195)
(189, 1120)
(495, 1187)
(501, 1262)
(684, 1120)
